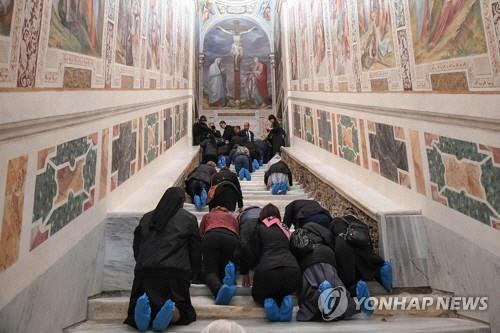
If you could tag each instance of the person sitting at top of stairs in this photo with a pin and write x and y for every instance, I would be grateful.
(240, 156)
(278, 176)
(319, 277)
(276, 273)
(220, 236)
(167, 251)
(225, 191)
(299, 212)
(358, 263)
(198, 183)
(209, 149)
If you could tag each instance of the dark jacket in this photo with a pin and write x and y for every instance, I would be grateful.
(176, 251)
(279, 167)
(276, 138)
(226, 195)
(200, 132)
(263, 147)
(228, 133)
(245, 133)
(255, 153)
(297, 212)
(322, 253)
(237, 140)
(247, 220)
(209, 147)
(203, 173)
(268, 249)
(226, 175)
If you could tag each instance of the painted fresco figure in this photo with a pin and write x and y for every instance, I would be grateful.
(260, 73)
(216, 89)
(237, 47)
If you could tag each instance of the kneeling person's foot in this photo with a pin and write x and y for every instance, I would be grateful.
(363, 295)
(275, 189)
(225, 294)
(142, 313)
(286, 309)
(271, 309)
(386, 276)
(203, 198)
(164, 316)
(197, 201)
(241, 173)
(230, 274)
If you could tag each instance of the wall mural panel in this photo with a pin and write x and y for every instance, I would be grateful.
(404, 45)
(151, 137)
(96, 44)
(237, 69)
(64, 187)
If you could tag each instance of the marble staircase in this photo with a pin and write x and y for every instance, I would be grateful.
(107, 311)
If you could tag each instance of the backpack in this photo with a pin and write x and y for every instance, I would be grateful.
(303, 242)
(356, 232)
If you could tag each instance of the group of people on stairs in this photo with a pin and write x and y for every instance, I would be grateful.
(318, 258)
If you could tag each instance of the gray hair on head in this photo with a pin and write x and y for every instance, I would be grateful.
(223, 326)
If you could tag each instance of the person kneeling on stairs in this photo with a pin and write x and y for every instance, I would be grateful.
(278, 176)
(167, 251)
(220, 237)
(198, 183)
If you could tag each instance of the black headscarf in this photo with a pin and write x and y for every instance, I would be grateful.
(169, 205)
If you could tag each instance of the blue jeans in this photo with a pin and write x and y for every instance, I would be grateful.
(240, 162)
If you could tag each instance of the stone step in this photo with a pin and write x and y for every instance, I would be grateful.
(399, 324)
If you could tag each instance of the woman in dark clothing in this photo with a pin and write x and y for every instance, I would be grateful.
(357, 264)
(198, 183)
(220, 236)
(278, 178)
(319, 277)
(276, 136)
(247, 221)
(200, 131)
(299, 212)
(209, 147)
(277, 273)
(228, 191)
(255, 154)
(167, 254)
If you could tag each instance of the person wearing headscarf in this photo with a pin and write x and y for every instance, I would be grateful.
(167, 252)
(201, 131)
(277, 274)
(220, 237)
(216, 89)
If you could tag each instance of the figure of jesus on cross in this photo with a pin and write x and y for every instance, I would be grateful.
(236, 31)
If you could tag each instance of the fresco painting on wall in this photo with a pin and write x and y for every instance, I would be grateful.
(348, 139)
(375, 29)
(64, 187)
(308, 125)
(128, 39)
(154, 32)
(293, 46)
(6, 10)
(151, 137)
(237, 71)
(304, 45)
(319, 40)
(446, 29)
(265, 10)
(124, 152)
(207, 9)
(169, 39)
(341, 37)
(77, 26)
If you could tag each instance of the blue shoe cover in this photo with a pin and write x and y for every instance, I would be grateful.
(324, 286)
(225, 294)
(286, 309)
(261, 162)
(241, 173)
(230, 274)
(275, 189)
(142, 313)
(271, 309)
(164, 317)
(283, 188)
(363, 292)
(386, 276)
(203, 198)
(248, 176)
(197, 201)
(255, 165)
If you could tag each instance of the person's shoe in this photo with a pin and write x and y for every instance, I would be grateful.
(324, 286)
(248, 176)
(225, 295)
(197, 202)
(362, 292)
(255, 165)
(275, 189)
(203, 198)
(142, 313)
(283, 188)
(221, 163)
(242, 174)
(164, 316)
(271, 309)
(230, 274)
(386, 276)
(261, 162)
(286, 309)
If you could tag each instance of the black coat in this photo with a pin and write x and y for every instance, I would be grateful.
(228, 133)
(322, 253)
(226, 195)
(237, 140)
(255, 153)
(264, 149)
(203, 173)
(176, 251)
(248, 220)
(245, 134)
(276, 139)
(298, 211)
(267, 249)
(228, 175)
(200, 132)
(279, 167)
(209, 147)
